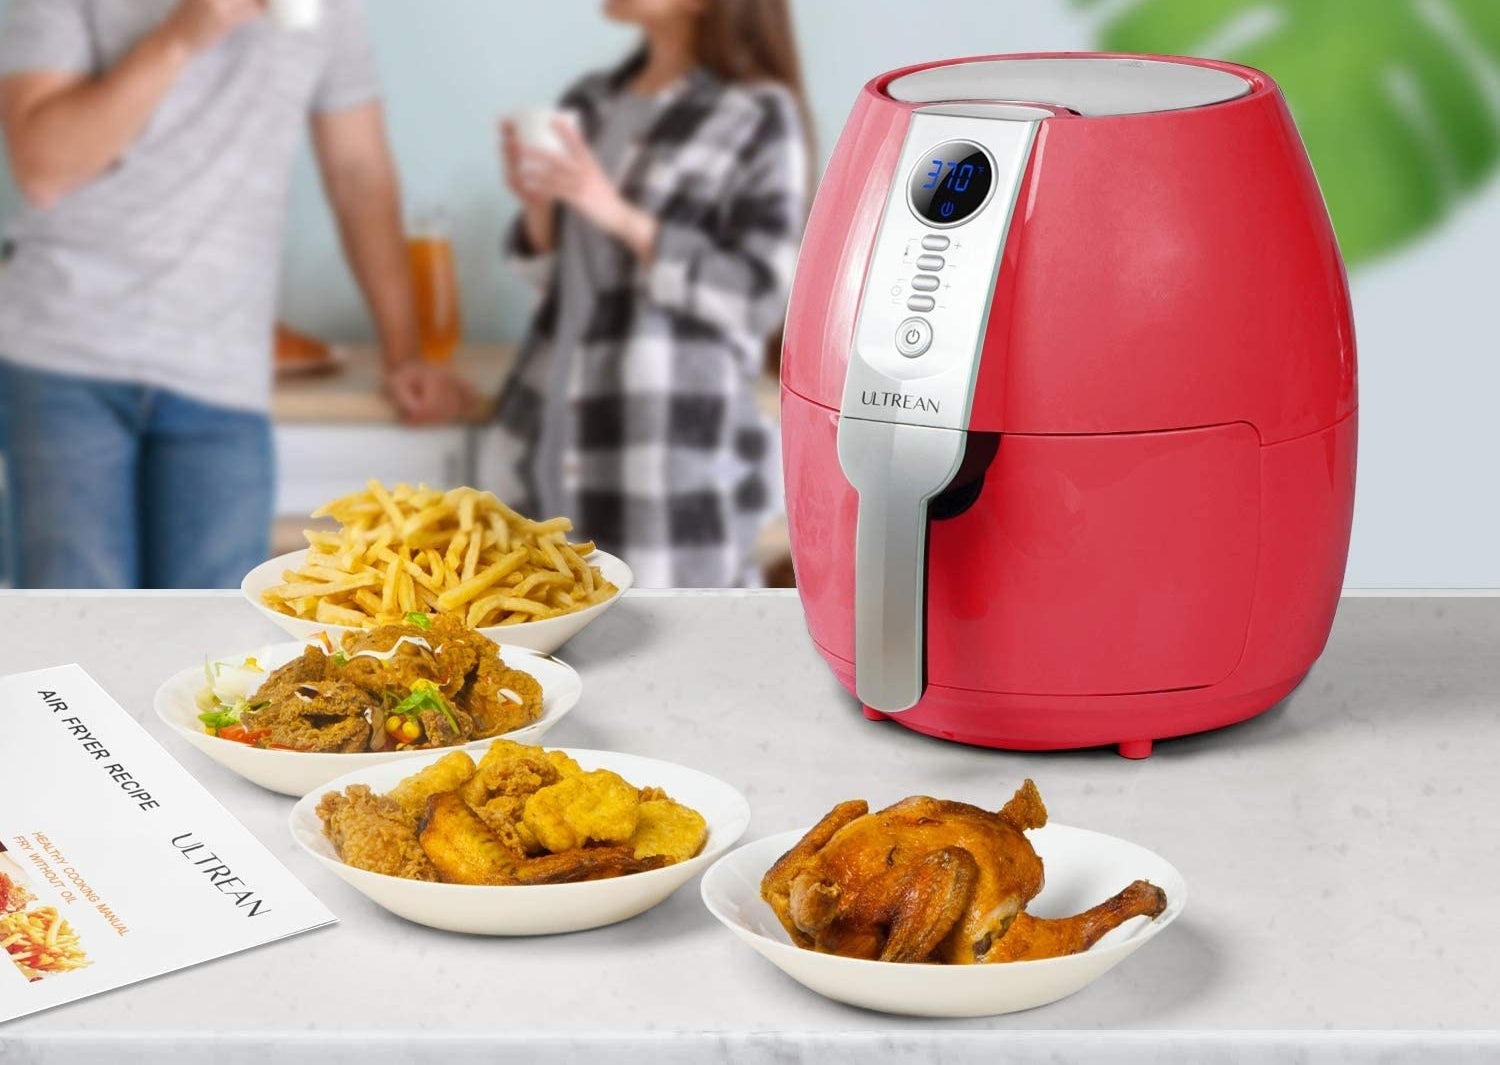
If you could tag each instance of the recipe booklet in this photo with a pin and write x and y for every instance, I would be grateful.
(115, 864)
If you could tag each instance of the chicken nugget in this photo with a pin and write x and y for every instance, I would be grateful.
(448, 773)
(596, 807)
(460, 846)
(670, 830)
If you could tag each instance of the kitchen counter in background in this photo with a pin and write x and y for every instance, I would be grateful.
(334, 431)
(355, 393)
(1341, 855)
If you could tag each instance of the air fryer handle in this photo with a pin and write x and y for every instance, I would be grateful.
(896, 469)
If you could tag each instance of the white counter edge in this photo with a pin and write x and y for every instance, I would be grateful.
(1311, 1047)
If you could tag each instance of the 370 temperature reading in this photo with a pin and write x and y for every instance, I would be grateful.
(950, 183)
(960, 174)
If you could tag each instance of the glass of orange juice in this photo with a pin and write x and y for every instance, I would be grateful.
(434, 276)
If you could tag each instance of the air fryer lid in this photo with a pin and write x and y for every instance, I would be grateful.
(1089, 85)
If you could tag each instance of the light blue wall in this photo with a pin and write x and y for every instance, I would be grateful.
(1427, 515)
(451, 67)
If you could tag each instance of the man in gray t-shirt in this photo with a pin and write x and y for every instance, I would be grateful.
(153, 141)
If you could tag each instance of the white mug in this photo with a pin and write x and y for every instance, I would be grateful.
(534, 127)
(295, 14)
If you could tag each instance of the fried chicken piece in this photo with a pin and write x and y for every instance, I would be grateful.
(667, 829)
(391, 658)
(372, 832)
(13, 896)
(502, 700)
(460, 845)
(595, 807)
(587, 863)
(458, 649)
(503, 815)
(465, 851)
(932, 881)
(510, 769)
(309, 667)
(439, 730)
(326, 715)
(448, 773)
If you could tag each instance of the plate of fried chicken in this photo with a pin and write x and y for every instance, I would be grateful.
(521, 840)
(936, 908)
(293, 716)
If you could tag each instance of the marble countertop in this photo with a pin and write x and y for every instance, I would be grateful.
(1341, 854)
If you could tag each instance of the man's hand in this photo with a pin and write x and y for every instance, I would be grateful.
(63, 129)
(427, 393)
(200, 24)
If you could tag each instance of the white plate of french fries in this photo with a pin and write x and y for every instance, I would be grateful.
(408, 549)
(297, 773)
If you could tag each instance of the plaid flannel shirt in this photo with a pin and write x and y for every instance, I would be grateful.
(667, 460)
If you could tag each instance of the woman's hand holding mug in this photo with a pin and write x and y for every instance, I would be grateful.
(574, 177)
(537, 208)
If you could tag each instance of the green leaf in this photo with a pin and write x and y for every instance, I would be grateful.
(424, 696)
(214, 720)
(1389, 95)
(419, 619)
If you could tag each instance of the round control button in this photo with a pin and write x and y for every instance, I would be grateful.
(913, 337)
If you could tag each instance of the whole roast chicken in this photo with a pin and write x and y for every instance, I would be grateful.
(932, 881)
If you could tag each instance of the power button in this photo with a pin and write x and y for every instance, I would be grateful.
(913, 337)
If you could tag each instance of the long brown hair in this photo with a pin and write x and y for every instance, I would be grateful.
(754, 40)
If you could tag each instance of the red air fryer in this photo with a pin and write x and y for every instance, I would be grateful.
(1068, 401)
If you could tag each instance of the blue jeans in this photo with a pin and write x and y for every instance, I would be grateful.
(123, 486)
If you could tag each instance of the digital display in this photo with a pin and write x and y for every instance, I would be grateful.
(951, 183)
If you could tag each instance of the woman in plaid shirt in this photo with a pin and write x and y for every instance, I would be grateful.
(663, 240)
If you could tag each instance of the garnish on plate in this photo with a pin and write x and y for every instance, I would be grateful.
(428, 682)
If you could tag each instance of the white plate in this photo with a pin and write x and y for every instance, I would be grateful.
(541, 909)
(299, 772)
(546, 635)
(1083, 869)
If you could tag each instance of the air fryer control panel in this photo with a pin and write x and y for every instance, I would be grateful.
(931, 276)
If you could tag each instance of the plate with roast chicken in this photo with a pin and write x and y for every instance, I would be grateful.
(936, 908)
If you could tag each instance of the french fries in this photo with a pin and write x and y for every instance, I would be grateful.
(40, 943)
(408, 550)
